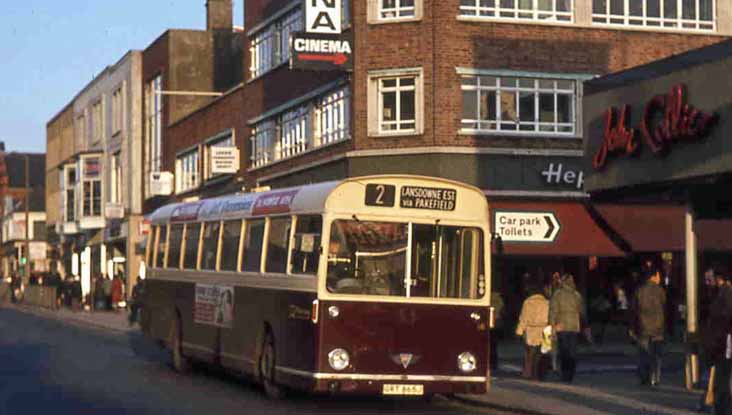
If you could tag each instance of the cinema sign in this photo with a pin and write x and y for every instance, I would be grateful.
(317, 52)
(666, 120)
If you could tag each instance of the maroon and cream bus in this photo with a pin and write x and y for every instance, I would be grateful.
(372, 285)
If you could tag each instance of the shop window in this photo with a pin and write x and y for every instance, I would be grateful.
(278, 245)
(545, 106)
(253, 239)
(397, 102)
(174, 241)
(210, 245)
(306, 249)
(193, 234)
(660, 14)
(230, 245)
(537, 10)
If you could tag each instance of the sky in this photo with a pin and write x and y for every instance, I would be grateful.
(50, 50)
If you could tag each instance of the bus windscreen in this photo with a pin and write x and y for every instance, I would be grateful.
(371, 258)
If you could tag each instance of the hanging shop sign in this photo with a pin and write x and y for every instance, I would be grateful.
(515, 226)
(114, 211)
(224, 160)
(323, 16)
(318, 52)
(161, 183)
(667, 119)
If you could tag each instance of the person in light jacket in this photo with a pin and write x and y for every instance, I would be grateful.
(650, 324)
(566, 315)
(533, 320)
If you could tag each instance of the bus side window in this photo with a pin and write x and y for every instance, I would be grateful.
(230, 245)
(305, 252)
(253, 238)
(210, 245)
(149, 250)
(176, 236)
(162, 244)
(278, 245)
(193, 233)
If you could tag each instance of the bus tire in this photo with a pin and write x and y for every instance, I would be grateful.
(181, 364)
(267, 363)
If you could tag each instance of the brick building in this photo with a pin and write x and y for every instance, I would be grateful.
(484, 92)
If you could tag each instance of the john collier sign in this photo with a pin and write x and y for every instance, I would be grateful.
(666, 120)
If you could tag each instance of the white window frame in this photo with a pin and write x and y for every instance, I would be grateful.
(115, 178)
(270, 45)
(69, 186)
(678, 23)
(537, 79)
(118, 109)
(375, 12)
(187, 170)
(498, 12)
(375, 97)
(95, 199)
(299, 128)
(97, 122)
(153, 130)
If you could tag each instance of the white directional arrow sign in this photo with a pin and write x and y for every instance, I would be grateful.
(514, 226)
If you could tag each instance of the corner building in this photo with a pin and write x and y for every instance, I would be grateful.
(487, 92)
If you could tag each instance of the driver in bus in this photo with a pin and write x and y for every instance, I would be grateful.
(340, 275)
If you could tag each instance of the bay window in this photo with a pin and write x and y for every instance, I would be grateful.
(91, 187)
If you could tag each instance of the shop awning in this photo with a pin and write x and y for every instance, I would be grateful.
(659, 228)
(579, 233)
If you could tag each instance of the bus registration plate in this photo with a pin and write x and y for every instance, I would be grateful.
(402, 389)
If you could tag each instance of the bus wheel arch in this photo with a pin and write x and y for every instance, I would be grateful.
(181, 364)
(267, 363)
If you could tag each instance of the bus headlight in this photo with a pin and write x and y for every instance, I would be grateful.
(338, 359)
(466, 362)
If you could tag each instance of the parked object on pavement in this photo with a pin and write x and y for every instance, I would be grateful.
(650, 324)
(533, 320)
(566, 315)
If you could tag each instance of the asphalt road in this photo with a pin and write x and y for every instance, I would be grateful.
(50, 367)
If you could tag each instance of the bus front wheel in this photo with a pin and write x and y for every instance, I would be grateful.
(181, 364)
(267, 364)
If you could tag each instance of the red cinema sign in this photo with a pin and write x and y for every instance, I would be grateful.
(678, 122)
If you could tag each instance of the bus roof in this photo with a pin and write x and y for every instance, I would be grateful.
(311, 198)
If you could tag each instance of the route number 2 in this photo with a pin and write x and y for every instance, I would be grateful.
(381, 195)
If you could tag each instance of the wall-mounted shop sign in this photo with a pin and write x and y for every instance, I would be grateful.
(557, 173)
(520, 226)
(323, 16)
(224, 160)
(320, 52)
(666, 119)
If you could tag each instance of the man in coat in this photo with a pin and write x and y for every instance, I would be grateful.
(718, 345)
(533, 320)
(650, 306)
(566, 315)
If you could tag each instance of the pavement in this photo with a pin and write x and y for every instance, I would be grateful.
(605, 384)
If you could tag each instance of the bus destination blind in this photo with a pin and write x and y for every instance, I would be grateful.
(416, 197)
(380, 195)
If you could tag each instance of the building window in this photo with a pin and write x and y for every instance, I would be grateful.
(81, 129)
(186, 171)
(97, 120)
(91, 187)
(668, 14)
(395, 102)
(345, 13)
(153, 130)
(542, 10)
(320, 121)
(69, 179)
(117, 110)
(519, 105)
(226, 140)
(271, 46)
(396, 9)
(115, 179)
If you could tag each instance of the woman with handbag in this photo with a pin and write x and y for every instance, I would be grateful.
(533, 320)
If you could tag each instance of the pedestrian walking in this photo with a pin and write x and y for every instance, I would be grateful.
(650, 324)
(567, 316)
(533, 320)
(116, 292)
(717, 342)
(136, 300)
(76, 294)
(107, 288)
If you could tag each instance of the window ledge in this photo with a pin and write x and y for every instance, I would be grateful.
(655, 29)
(378, 134)
(312, 150)
(518, 134)
(395, 20)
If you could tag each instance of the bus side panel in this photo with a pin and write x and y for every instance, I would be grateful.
(199, 340)
(283, 314)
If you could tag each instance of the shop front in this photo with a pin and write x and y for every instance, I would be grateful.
(657, 135)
